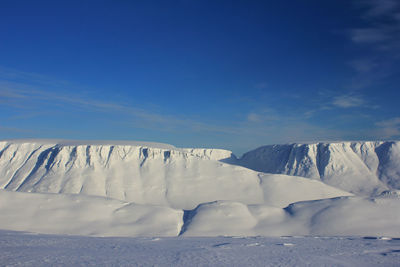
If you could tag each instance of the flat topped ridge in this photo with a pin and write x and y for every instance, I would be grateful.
(209, 152)
(66, 142)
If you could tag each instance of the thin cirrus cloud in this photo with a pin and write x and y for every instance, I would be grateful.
(20, 90)
(329, 100)
(380, 40)
(364, 65)
(26, 97)
(370, 35)
(261, 85)
(256, 125)
(382, 19)
(253, 117)
(348, 101)
(389, 128)
(378, 8)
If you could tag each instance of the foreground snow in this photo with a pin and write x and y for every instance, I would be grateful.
(23, 249)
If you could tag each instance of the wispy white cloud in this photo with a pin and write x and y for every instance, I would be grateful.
(14, 130)
(382, 23)
(378, 8)
(264, 126)
(348, 101)
(6, 93)
(364, 65)
(10, 74)
(253, 117)
(327, 100)
(257, 126)
(382, 30)
(389, 128)
(370, 35)
(261, 85)
(380, 38)
(27, 98)
(265, 115)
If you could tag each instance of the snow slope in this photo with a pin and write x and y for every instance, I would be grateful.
(365, 168)
(98, 216)
(177, 178)
(329, 217)
(85, 215)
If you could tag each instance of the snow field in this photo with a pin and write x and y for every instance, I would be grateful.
(22, 249)
(85, 215)
(97, 216)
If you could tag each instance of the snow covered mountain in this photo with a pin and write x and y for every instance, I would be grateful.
(144, 174)
(150, 189)
(360, 167)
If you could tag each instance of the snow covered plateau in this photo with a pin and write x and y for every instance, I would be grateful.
(135, 189)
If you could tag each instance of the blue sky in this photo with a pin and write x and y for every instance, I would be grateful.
(226, 74)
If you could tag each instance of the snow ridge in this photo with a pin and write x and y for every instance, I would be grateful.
(177, 178)
(365, 168)
(138, 173)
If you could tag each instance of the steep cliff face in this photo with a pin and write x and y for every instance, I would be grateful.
(358, 167)
(146, 174)
(141, 174)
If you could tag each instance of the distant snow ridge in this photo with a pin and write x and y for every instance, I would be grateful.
(366, 168)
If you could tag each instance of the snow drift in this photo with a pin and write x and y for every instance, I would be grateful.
(98, 216)
(85, 215)
(329, 217)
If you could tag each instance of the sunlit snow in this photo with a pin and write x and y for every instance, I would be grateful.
(146, 190)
